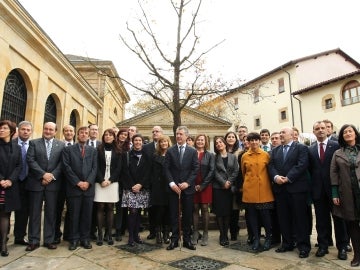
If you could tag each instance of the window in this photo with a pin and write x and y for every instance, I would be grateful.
(328, 103)
(257, 123)
(281, 86)
(351, 93)
(236, 103)
(283, 115)
(256, 95)
(50, 110)
(15, 97)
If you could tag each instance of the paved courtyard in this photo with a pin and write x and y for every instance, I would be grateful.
(150, 256)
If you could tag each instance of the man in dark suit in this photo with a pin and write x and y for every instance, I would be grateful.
(80, 168)
(288, 169)
(43, 183)
(149, 150)
(320, 155)
(181, 167)
(330, 130)
(22, 215)
(69, 134)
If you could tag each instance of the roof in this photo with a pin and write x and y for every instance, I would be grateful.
(159, 109)
(294, 62)
(321, 84)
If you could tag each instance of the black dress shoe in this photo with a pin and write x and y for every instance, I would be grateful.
(21, 242)
(303, 254)
(57, 241)
(348, 248)
(355, 262)
(321, 252)
(32, 247)
(4, 253)
(189, 245)
(50, 246)
(73, 245)
(172, 245)
(283, 249)
(86, 244)
(342, 255)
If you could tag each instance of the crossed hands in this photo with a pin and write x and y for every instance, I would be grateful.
(47, 178)
(280, 180)
(5, 183)
(179, 187)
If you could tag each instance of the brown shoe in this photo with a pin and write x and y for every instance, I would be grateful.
(32, 247)
(50, 246)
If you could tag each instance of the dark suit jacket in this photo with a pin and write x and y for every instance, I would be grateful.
(77, 168)
(10, 168)
(222, 174)
(149, 149)
(320, 171)
(115, 166)
(185, 172)
(39, 164)
(294, 167)
(135, 171)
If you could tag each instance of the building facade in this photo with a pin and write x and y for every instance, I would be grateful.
(274, 100)
(39, 83)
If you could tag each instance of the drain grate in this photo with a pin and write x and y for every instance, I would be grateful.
(198, 263)
(139, 248)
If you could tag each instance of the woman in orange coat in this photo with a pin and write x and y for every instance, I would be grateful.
(257, 193)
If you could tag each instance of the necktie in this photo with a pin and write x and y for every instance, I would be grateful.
(83, 151)
(24, 169)
(48, 148)
(68, 144)
(322, 152)
(92, 144)
(285, 150)
(265, 148)
(181, 151)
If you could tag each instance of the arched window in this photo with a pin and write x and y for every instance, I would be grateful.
(50, 110)
(73, 119)
(350, 93)
(15, 97)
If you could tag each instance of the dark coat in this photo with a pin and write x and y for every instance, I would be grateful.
(115, 166)
(10, 168)
(135, 171)
(223, 174)
(39, 164)
(207, 169)
(158, 182)
(184, 172)
(340, 176)
(294, 168)
(78, 168)
(320, 171)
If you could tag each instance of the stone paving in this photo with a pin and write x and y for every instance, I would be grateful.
(150, 256)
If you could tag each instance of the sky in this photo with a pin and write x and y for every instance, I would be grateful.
(257, 35)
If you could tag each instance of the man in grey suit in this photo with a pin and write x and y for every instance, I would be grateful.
(181, 168)
(80, 168)
(43, 183)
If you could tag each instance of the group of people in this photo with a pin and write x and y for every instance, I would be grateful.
(275, 178)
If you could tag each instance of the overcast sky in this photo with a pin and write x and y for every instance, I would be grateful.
(259, 35)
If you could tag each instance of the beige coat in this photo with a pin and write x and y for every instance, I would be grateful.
(340, 176)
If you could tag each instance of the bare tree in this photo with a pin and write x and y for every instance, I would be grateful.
(177, 73)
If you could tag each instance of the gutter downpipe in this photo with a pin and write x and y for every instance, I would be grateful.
(291, 101)
(301, 120)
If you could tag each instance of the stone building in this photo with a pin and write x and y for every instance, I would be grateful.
(39, 83)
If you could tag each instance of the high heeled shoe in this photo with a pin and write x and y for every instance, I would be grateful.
(4, 253)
